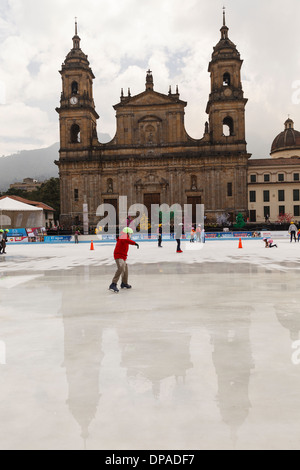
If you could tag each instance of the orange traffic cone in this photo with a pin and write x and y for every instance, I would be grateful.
(240, 243)
(92, 245)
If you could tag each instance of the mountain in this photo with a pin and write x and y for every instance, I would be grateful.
(37, 164)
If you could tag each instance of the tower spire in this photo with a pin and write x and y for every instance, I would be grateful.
(76, 38)
(224, 29)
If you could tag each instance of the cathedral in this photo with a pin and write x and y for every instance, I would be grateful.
(152, 159)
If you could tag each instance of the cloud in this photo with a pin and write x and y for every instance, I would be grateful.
(25, 119)
(123, 38)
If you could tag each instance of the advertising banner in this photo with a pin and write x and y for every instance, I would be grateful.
(275, 234)
(17, 232)
(222, 235)
(17, 239)
(58, 239)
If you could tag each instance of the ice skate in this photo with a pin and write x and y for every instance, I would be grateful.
(125, 286)
(113, 288)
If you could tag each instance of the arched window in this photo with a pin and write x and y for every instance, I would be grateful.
(150, 134)
(75, 134)
(226, 79)
(110, 186)
(74, 88)
(193, 183)
(228, 126)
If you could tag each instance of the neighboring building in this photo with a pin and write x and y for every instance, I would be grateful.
(152, 159)
(28, 184)
(274, 183)
(48, 212)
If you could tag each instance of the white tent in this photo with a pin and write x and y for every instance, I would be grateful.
(16, 214)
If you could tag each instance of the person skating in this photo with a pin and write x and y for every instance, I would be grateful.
(192, 240)
(1, 238)
(269, 243)
(178, 235)
(203, 235)
(292, 231)
(4, 240)
(76, 237)
(298, 235)
(198, 233)
(120, 255)
(159, 231)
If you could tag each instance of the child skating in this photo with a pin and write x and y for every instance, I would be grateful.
(120, 255)
(269, 243)
(193, 233)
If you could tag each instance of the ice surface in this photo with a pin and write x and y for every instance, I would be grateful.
(202, 353)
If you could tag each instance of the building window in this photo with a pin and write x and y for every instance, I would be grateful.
(296, 176)
(296, 211)
(266, 195)
(296, 195)
(281, 177)
(266, 178)
(229, 189)
(110, 186)
(76, 195)
(75, 134)
(252, 178)
(74, 87)
(193, 183)
(252, 195)
(281, 210)
(226, 79)
(228, 129)
(252, 216)
(266, 213)
(281, 195)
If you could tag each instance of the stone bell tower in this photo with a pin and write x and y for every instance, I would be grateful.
(77, 114)
(78, 134)
(226, 105)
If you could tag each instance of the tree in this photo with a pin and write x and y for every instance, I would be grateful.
(15, 192)
(284, 219)
(240, 223)
(223, 219)
(48, 193)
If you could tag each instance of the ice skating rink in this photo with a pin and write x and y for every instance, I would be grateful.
(202, 353)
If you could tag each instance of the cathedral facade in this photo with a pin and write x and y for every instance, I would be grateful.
(152, 159)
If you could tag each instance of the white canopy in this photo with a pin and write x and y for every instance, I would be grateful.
(8, 204)
(16, 214)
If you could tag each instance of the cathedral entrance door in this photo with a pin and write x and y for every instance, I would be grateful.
(149, 199)
(193, 201)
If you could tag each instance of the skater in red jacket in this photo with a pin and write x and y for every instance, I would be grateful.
(120, 255)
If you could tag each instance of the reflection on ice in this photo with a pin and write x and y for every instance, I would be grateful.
(233, 362)
(191, 351)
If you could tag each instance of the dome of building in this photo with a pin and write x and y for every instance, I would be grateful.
(286, 142)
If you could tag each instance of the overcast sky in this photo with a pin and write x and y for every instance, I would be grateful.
(123, 38)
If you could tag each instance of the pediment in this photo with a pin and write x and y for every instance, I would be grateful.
(149, 98)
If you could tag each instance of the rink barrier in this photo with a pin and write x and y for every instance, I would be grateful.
(209, 236)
